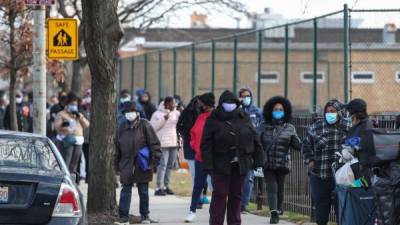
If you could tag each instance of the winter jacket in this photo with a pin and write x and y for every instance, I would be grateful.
(357, 131)
(81, 123)
(196, 134)
(185, 123)
(148, 107)
(277, 140)
(228, 137)
(253, 111)
(323, 141)
(130, 138)
(23, 114)
(166, 129)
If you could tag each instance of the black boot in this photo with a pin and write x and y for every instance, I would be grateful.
(274, 217)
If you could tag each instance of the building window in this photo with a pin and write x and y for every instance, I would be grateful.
(268, 77)
(308, 77)
(364, 77)
(398, 76)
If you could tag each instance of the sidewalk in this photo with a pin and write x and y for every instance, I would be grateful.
(173, 210)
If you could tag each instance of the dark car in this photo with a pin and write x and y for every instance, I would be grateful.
(35, 185)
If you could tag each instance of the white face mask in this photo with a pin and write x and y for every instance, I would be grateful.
(131, 116)
(18, 99)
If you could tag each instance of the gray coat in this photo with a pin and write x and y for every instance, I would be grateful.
(130, 138)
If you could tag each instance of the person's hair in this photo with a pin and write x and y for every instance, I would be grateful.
(61, 94)
(168, 100)
(2, 93)
(361, 115)
(72, 98)
(124, 92)
(269, 107)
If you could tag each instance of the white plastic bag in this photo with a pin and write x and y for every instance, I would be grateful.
(345, 175)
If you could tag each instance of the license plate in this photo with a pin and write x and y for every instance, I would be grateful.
(3, 195)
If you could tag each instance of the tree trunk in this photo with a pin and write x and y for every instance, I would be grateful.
(13, 74)
(102, 36)
(76, 84)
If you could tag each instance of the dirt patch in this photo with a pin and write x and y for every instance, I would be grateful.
(101, 219)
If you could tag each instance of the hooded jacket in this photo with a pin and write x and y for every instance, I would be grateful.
(323, 140)
(148, 107)
(196, 134)
(253, 111)
(166, 129)
(186, 121)
(230, 137)
(278, 137)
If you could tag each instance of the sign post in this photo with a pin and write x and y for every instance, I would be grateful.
(62, 39)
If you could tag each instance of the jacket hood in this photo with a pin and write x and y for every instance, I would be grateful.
(269, 106)
(228, 95)
(140, 93)
(246, 89)
(335, 104)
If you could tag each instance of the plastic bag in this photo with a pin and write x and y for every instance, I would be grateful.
(345, 175)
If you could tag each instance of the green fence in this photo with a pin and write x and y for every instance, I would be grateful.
(308, 61)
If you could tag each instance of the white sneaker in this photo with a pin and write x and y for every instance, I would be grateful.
(190, 217)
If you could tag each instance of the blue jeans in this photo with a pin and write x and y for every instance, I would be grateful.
(125, 199)
(200, 180)
(248, 189)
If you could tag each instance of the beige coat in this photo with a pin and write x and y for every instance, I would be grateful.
(81, 123)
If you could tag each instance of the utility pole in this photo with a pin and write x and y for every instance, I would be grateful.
(39, 70)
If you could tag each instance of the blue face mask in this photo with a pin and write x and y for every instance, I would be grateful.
(72, 108)
(246, 101)
(331, 118)
(229, 107)
(277, 115)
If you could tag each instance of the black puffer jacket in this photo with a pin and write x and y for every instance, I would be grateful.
(277, 140)
(230, 135)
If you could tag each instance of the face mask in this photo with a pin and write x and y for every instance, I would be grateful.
(125, 99)
(18, 100)
(131, 116)
(331, 118)
(277, 115)
(247, 101)
(229, 107)
(72, 108)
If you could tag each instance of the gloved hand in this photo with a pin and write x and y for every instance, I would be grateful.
(77, 114)
(259, 172)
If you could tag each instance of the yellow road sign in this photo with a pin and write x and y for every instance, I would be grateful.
(62, 39)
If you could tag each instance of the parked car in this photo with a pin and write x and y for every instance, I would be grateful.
(35, 185)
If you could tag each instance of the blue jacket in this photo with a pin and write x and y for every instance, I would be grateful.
(255, 114)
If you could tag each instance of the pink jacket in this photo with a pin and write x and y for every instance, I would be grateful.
(196, 133)
(165, 129)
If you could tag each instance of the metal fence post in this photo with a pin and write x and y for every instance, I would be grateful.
(315, 66)
(194, 81)
(145, 77)
(133, 75)
(213, 66)
(286, 88)
(160, 81)
(346, 52)
(235, 72)
(259, 61)
(174, 70)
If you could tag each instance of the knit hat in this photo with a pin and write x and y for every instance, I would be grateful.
(128, 107)
(356, 105)
(208, 99)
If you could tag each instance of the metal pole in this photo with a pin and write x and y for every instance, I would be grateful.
(160, 83)
(346, 52)
(213, 66)
(315, 66)
(194, 81)
(235, 72)
(259, 61)
(174, 70)
(286, 61)
(39, 71)
(133, 75)
(145, 72)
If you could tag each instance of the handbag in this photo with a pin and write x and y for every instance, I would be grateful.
(69, 141)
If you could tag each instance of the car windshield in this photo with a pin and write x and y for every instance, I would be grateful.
(27, 153)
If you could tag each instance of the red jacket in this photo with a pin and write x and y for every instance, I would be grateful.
(197, 132)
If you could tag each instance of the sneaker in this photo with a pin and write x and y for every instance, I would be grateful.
(135, 219)
(145, 220)
(190, 217)
(274, 217)
(205, 200)
(160, 192)
(122, 221)
(169, 191)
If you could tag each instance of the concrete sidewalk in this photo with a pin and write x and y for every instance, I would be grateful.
(173, 210)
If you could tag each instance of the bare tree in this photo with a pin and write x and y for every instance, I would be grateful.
(18, 41)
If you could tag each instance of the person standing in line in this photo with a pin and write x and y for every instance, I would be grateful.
(144, 99)
(230, 147)
(23, 114)
(164, 122)
(324, 138)
(277, 136)
(137, 152)
(86, 107)
(246, 97)
(3, 107)
(70, 124)
(206, 102)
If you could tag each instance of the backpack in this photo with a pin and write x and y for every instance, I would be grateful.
(380, 147)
